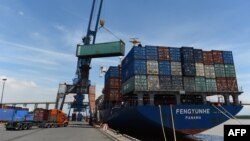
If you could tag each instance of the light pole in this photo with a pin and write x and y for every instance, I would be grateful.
(4, 79)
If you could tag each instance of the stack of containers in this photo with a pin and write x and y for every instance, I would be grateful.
(188, 68)
(112, 88)
(164, 66)
(152, 68)
(176, 72)
(230, 71)
(134, 70)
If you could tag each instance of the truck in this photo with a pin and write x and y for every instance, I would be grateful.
(42, 118)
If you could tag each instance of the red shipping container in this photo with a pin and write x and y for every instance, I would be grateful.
(217, 57)
(208, 58)
(221, 84)
(232, 84)
(163, 53)
(92, 89)
(112, 95)
(41, 114)
(113, 82)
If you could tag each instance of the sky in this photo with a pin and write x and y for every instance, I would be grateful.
(38, 38)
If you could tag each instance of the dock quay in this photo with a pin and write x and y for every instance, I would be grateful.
(74, 132)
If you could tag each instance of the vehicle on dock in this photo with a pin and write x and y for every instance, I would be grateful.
(41, 118)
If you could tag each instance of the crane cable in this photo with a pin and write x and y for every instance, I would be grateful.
(102, 23)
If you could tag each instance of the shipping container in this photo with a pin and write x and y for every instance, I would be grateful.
(6, 114)
(228, 57)
(136, 53)
(219, 70)
(200, 84)
(41, 114)
(208, 58)
(164, 68)
(189, 84)
(165, 82)
(152, 67)
(113, 71)
(135, 83)
(221, 84)
(163, 53)
(199, 68)
(177, 83)
(188, 69)
(153, 82)
(198, 56)
(229, 70)
(113, 94)
(211, 85)
(187, 54)
(137, 67)
(176, 68)
(218, 57)
(101, 50)
(113, 82)
(209, 71)
(151, 52)
(232, 84)
(175, 54)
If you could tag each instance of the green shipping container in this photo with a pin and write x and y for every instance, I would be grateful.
(219, 70)
(229, 70)
(135, 83)
(109, 49)
(200, 84)
(211, 85)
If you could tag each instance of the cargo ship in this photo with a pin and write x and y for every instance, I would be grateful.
(168, 90)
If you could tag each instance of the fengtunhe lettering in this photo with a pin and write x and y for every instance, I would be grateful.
(192, 111)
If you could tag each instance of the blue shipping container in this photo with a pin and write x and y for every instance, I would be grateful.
(134, 54)
(113, 71)
(198, 55)
(188, 69)
(6, 114)
(137, 67)
(187, 54)
(151, 52)
(228, 57)
(165, 82)
(164, 68)
(175, 54)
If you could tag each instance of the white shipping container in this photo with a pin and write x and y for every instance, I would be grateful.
(176, 68)
(199, 69)
(209, 71)
(152, 67)
(153, 82)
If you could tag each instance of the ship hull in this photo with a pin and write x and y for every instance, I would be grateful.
(187, 119)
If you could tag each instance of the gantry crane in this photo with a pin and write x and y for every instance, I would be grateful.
(81, 83)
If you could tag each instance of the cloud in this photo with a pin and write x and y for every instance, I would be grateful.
(21, 13)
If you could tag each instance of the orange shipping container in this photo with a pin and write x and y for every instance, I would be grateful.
(217, 57)
(58, 116)
(208, 58)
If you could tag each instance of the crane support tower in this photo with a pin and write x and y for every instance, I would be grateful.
(81, 83)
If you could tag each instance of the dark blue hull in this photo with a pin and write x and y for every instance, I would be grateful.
(188, 119)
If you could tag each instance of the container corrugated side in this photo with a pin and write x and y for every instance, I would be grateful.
(199, 68)
(208, 58)
(164, 68)
(228, 57)
(153, 82)
(229, 70)
(113, 71)
(218, 57)
(101, 49)
(135, 83)
(209, 71)
(177, 83)
(198, 55)
(232, 84)
(200, 84)
(175, 54)
(6, 114)
(136, 53)
(163, 53)
(152, 67)
(176, 68)
(137, 67)
(151, 53)
(221, 84)
(165, 82)
(219, 70)
(188, 69)
(189, 84)
(211, 85)
(187, 54)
